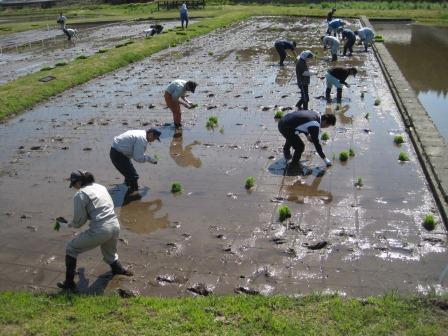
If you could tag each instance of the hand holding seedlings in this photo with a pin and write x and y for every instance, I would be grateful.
(61, 222)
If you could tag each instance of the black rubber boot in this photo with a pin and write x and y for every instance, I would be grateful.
(305, 104)
(334, 57)
(328, 95)
(69, 283)
(339, 96)
(299, 104)
(118, 269)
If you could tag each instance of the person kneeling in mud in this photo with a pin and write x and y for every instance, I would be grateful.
(307, 122)
(175, 96)
(91, 202)
(337, 76)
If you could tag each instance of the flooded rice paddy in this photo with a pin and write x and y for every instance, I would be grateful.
(215, 236)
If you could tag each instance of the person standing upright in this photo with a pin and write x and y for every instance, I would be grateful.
(61, 20)
(303, 78)
(281, 46)
(183, 11)
(132, 145)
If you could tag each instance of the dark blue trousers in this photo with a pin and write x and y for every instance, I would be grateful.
(125, 167)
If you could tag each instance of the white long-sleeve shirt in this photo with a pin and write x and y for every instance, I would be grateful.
(93, 202)
(366, 34)
(177, 88)
(132, 144)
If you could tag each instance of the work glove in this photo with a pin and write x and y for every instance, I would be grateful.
(327, 162)
(61, 222)
(151, 160)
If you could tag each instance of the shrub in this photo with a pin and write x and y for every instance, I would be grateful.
(398, 139)
(429, 223)
(284, 212)
(325, 136)
(176, 187)
(250, 182)
(403, 156)
(343, 156)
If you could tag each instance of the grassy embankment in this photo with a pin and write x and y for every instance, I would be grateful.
(26, 91)
(39, 314)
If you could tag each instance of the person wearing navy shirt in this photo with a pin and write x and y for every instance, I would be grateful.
(349, 38)
(281, 46)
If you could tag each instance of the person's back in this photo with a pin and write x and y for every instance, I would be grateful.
(348, 34)
(301, 120)
(100, 207)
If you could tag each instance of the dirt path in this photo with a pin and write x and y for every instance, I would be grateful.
(358, 241)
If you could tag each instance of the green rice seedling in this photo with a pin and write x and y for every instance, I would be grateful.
(359, 182)
(403, 156)
(284, 212)
(367, 115)
(210, 124)
(213, 119)
(343, 156)
(379, 38)
(429, 223)
(362, 95)
(60, 64)
(250, 182)
(46, 68)
(101, 51)
(351, 152)
(210, 53)
(193, 105)
(81, 57)
(176, 187)
(398, 139)
(278, 114)
(156, 157)
(325, 136)
(221, 130)
(377, 102)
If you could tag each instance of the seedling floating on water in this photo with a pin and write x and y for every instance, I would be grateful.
(429, 223)
(250, 182)
(403, 156)
(176, 187)
(358, 182)
(377, 101)
(343, 156)
(398, 139)
(325, 136)
(212, 122)
(351, 152)
(284, 212)
(278, 114)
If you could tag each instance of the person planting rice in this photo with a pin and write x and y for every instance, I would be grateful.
(70, 33)
(307, 122)
(91, 202)
(349, 37)
(366, 35)
(303, 78)
(281, 46)
(132, 145)
(334, 25)
(61, 20)
(175, 96)
(332, 43)
(337, 76)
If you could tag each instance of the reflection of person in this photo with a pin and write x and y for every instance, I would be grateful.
(303, 78)
(140, 217)
(299, 190)
(183, 156)
(366, 35)
(183, 11)
(307, 122)
(92, 202)
(332, 43)
(281, 46)
(175, 95)
(337, 77)
(132, 145)
(334, 25)
(350, 38)
(61, 20)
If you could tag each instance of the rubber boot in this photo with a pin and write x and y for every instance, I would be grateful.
(287, 152)
(118, 269)
(328, 95)
(334, 57)
(305, 104)
(299, 104)
(69, 283)
(339, 96)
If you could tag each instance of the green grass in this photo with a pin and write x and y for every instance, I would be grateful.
(250, 182)
(283, 213)
(314, 314)
(429, 222)
(398, 139)
(343, 156)
(325, 136)
(176, 187)
(403, 156)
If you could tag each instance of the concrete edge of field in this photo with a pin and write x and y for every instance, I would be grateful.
(432, 151)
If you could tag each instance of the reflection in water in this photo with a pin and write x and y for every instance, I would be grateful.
(299, 190)
(283, 76)
(183, 156)
(340, 115)
(420, 52)
(140, 216)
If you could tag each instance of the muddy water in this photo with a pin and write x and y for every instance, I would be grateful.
(30, 51)
(420, 52)
(357, 240)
